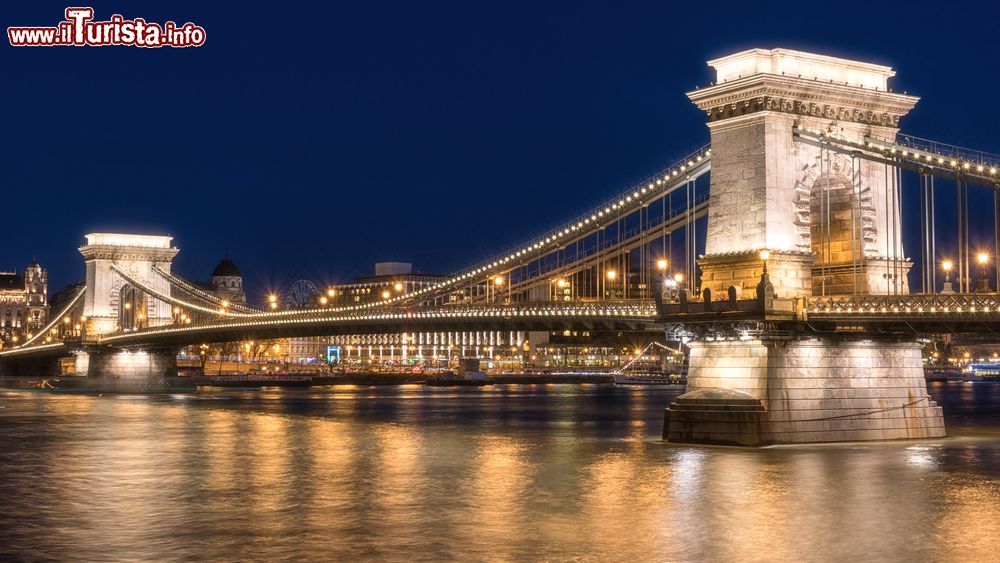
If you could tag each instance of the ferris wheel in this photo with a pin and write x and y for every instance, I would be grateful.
(300, 294)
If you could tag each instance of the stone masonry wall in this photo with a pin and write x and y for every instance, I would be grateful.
(821, 391)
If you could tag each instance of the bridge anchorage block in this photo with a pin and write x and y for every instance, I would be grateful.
(757, 392)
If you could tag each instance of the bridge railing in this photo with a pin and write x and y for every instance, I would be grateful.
(688, 162)
(619, 311)
(946, 150)
(543, 267)
(55, 320)
(617, 308)
(692, 165)
(191, 289)
(925, 303)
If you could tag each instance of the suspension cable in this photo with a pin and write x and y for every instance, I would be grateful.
(173, 300)
(56, 318)
(198, 292)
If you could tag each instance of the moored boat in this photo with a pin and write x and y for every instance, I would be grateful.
(468, 374)
(253, 380)
(450, 379)
(649, 379)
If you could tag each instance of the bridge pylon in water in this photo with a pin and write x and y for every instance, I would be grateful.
(829, 223)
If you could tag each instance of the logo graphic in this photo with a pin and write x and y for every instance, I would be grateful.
(79, 29)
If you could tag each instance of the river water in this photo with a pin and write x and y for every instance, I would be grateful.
(502, 473)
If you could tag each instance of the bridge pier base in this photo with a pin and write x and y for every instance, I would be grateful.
(128, 370)
(760, 392)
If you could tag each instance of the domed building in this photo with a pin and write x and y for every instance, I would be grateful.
(227, 281)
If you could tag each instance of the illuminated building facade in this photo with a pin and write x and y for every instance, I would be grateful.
(24, 304)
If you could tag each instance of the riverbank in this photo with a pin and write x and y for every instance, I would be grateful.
(184, 383)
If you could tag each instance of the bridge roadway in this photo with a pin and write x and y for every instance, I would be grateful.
(605, 315)
(854, 316)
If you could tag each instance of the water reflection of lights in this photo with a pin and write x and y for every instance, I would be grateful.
(499, 502)
(688, 470)
(921, 456)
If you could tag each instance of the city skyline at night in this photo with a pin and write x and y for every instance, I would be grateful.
(522, 281)
(485, 134)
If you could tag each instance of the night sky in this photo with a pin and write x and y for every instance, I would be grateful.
(314, 139)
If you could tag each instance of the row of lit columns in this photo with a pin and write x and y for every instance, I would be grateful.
(464, 338)
(428, 346)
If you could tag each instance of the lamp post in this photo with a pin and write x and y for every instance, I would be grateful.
(662, 265)
(560, 291)
(984, 282)
(946, 266)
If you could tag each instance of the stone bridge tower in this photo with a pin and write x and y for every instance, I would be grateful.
(751, 385)
(106, 289)
(770, 192)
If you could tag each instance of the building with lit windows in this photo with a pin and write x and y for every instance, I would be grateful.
(501, 350)
(390, 279)
(24, 306)
(304, 349)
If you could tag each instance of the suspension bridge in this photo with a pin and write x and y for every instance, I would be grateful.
(775, 253)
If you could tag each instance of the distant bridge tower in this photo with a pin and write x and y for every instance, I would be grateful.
(111, 302)
(830, 222)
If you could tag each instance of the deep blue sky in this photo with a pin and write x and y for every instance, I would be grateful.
(316, 138)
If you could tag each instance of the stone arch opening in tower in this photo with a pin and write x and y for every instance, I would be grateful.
(133, 307)
(835, 235)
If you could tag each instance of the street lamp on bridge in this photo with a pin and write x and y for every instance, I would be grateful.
(946, 266)
(984, 281)
(498, 282)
